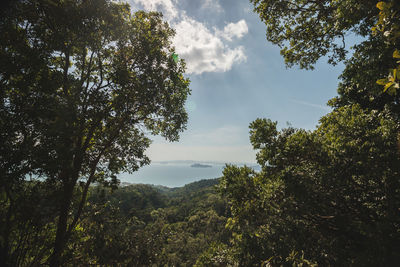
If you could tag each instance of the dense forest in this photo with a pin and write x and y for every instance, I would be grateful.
(144, 225)
(84, 83)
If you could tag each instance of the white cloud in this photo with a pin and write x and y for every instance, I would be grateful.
(167, 7)
(203, 49)
(235, 30)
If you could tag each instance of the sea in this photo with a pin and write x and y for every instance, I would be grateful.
(174, 173)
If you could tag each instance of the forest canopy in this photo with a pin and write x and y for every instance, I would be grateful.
(83, 85)
(331, 196)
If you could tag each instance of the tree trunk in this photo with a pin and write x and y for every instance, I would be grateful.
(5, 248)
(60, 241)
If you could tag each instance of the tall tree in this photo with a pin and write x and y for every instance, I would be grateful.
(388, 25)
(82, 85)
(328, 196)
(307, 29)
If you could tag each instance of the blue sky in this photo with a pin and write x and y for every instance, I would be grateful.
(236, 76)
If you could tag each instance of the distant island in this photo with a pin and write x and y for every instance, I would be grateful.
(198, 165)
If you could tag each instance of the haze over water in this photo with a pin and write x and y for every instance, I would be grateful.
(173, 174)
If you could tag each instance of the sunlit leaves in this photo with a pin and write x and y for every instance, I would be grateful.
(315, 189)
(308, 30)
(86, 82)
(388, 26)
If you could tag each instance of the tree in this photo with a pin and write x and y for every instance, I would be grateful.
(329, 197)
(389, 26)
(82, 84)
(307, 30)
(371, 61)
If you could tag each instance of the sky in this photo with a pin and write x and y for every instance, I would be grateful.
(236, 77)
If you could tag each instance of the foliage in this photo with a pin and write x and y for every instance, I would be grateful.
(27, 223)
(331, 195)
(82, 83)
(370, 61)
(136, 225)
(307, 30)
(117, 230)
(389, 26)
(218, 254)
(326, 197)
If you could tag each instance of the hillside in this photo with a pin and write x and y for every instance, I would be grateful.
(142, 225)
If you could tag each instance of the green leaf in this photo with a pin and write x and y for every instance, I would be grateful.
(381, 5)
(175, 57)
(387, 86)
(381, 81)
(396, 54)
